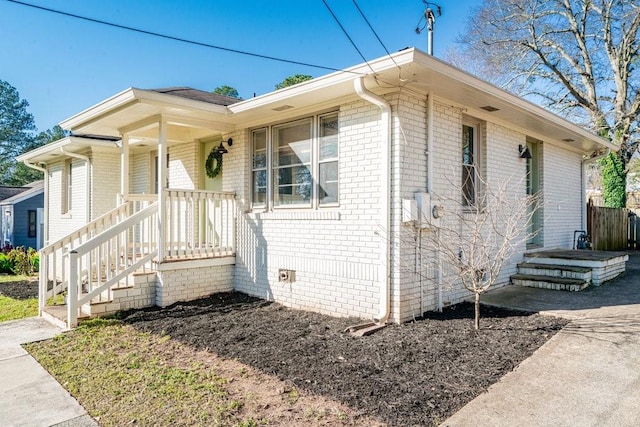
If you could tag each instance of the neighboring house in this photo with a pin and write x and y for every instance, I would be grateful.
(307, 210)
(22, 215)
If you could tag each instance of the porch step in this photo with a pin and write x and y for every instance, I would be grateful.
(549, 282)
(561, 271)
(57, 315)
(604, 265)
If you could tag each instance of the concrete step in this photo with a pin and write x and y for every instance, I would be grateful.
(561, 271)
(549, 282)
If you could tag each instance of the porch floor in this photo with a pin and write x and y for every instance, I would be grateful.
(574, 254)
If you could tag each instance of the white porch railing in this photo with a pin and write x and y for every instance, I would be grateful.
(199, 224)
(90, 261)
(109, 258)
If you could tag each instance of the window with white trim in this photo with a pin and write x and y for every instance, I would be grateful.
(295, 164)
(67, 193)
(470, 163)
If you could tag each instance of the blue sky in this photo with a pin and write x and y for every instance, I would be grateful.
(62, 65)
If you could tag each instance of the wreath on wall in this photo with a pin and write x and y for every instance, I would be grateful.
(216, 155)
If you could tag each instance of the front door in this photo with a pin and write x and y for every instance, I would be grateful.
(210, 212)
(533, 189)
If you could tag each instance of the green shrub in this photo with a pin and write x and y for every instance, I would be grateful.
(21, 261)
(34, 258)
(6, 266)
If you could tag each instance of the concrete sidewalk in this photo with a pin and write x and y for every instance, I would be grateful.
(29, 396)
(587, 375)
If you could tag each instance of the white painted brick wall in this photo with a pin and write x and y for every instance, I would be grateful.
(193, 283)
(105, 170)
(335, 256)
(183, 165)
(62, 224)
(139, 170)
(562, 201)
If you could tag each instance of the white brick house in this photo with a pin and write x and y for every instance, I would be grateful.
(312, 187)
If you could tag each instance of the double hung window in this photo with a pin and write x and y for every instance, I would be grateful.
(470, 163)
(295, 164)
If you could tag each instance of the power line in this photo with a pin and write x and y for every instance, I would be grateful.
(179, 39)
(374, 31)
(347, 34)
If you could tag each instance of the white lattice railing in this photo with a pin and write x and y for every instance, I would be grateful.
(199, 224)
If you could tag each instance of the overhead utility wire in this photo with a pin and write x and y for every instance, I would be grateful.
(374, 31)
(179, 39)
(347, 34)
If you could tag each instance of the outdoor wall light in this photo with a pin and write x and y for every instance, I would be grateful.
(221, 149)
(524, 152)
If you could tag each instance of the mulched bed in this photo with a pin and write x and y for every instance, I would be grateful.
(417, 373)
(23, 289)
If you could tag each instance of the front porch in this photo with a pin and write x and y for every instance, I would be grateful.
(139, 255)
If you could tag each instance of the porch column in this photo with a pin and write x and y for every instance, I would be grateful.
(162, 183)
(124, 168)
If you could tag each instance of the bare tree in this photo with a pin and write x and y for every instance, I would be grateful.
(577, 57)
(478, 237)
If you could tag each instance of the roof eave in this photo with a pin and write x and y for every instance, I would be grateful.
(132, 96)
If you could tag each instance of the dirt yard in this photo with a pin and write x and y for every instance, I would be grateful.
(20, 289)
(417, 373)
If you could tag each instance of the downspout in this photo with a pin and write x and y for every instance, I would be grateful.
(45, 239)
(430, 191)
(585, 162)
(87, 181)
(385, 192)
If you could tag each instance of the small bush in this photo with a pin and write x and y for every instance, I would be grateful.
(23, 261)
(6, 265)
(34, 257)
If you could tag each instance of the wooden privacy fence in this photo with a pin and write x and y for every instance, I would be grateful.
(608, 228)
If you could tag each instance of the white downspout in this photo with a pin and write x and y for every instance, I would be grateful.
(430, 191)
(385, 203)
(45, 238)
(585, 162)
(87, 181)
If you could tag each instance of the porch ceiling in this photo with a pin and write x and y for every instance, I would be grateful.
(137, 112)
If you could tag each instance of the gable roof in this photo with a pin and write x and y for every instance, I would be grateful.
(8, 191)
(198, 95)
(30, 190)
(207, 114)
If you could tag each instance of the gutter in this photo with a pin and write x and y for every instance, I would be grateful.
(87, 180)
(385, 191)
(583, 211)
(45, 211)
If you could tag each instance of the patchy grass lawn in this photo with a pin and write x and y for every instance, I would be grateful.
(125, 376)
(18, 297)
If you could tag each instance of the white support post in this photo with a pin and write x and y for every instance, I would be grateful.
(72, 294)
(162, 184)
(124, 167)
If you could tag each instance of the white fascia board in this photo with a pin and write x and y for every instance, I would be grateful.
(54, 147)
(518, 102)
(134, 95)
(116, 101)
(326, 81)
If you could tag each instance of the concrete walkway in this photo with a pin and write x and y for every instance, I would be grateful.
(586, 375)
(29, 396)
